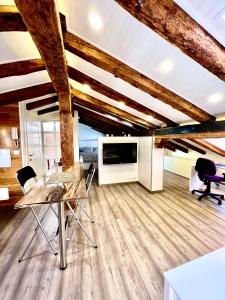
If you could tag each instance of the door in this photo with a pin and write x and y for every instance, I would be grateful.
(34, 147)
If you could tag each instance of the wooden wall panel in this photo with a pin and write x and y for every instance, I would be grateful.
(9, 117)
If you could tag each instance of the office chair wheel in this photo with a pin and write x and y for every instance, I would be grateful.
(193, 192)
(199, 198)
(219, 202)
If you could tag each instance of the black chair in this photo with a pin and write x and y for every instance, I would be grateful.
(207, 173)
(23, 176)
(81, 204)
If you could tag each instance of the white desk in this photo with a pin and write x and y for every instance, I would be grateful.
(200, 279)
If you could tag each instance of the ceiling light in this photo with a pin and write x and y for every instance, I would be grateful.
(57, 103)
(216, 97)
(86, 87)
(127, 123)
(112, 118)
(121, 104)
(95, 21)
(149, 118)
(166, 66)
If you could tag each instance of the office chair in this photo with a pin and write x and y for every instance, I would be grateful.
(207, 173)
(23, 176)
(90, 175)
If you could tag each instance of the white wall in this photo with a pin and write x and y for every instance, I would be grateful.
(180, 163)
(116, 173)
(150, 164)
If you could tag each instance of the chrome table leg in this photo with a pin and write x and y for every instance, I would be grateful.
(62, 236)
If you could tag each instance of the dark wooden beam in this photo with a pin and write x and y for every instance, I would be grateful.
(101, 106)
(204, 130)
(104, 120)
(209, 146)
(172, 23)
(30, 92)
(178, 147)
(161, 143)
(48, 110)
(10, 19)
(110, 93)
(99, 126)
(41, 103)
(190, 146)
(108, 63)
(21, 67)
(171, 148)
(42, 20)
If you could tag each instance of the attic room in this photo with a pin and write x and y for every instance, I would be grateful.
(112, 149)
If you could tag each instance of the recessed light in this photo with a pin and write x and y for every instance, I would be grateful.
(166, 66)
(57, 103)
(149, 118)
(86, 87)
(112, 118)
(95, 21)
(127, 123)
(216, 97)
(121, 104)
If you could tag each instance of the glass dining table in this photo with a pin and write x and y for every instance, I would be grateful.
(58, 187)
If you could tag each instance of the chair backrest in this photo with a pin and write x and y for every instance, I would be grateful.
(90, 175)
(204, 167)
(24, 174)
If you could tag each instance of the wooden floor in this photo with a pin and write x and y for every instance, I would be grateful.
(139, 236)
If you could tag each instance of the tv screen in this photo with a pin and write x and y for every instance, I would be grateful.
(119, 153)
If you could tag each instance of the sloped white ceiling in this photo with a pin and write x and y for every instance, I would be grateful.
(133, 43)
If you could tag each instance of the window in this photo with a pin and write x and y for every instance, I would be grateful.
(51, 140)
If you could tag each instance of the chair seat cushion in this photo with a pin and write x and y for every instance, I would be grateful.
(215, 178)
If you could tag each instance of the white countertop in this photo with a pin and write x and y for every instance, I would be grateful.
(201, 279)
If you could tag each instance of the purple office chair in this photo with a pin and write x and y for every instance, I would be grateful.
(207, 173)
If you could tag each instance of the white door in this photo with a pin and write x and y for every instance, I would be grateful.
(34, 147)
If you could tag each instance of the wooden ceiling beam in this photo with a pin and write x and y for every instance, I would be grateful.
(99, 126)
(172, 23)
(104, 119)
(177, 147)
(41, 103)
(117, 122)
(42, 20)
(204, 130)
(48, 110)
(101, 106)
(92, 54)
(190, 146)
(26, 93)
(111, 93)
(208, 146)
(170, 147)
(21, 67)
(10, 19)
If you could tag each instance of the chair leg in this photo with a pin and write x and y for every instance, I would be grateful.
(84, 210)
(36, 230)
(43, 231)
(78, 222)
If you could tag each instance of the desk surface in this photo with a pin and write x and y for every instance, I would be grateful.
(202, 278)
(44, 193)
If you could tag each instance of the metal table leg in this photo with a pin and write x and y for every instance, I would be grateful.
(62, 236)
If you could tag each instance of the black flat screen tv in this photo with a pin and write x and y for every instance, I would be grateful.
(119, 153)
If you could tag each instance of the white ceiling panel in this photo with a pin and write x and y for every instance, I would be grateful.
(19, 82)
